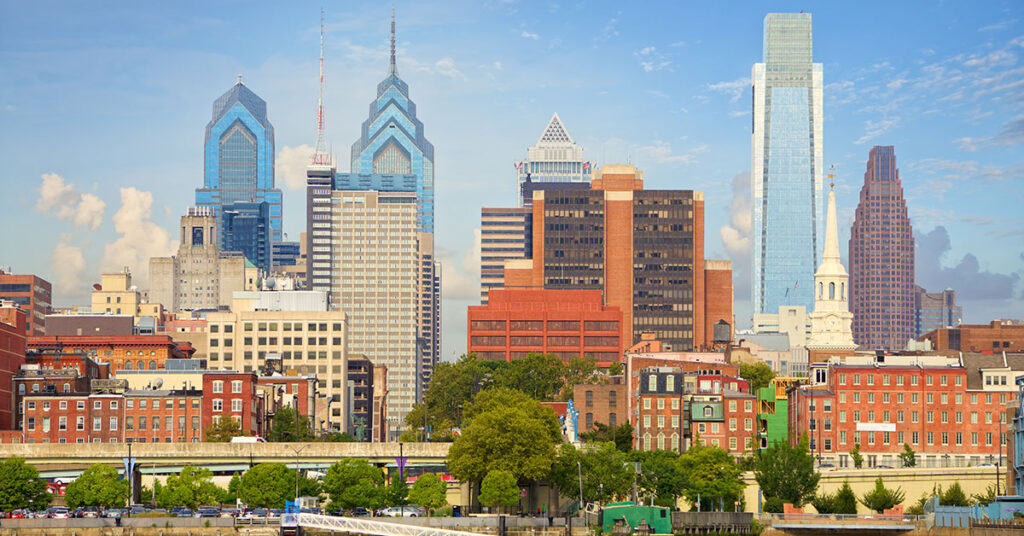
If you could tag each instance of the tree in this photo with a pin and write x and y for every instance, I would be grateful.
(351, 483)
(660, 475)
(505, 430)
(713, 476)
(192, 487)
(337, 437)
(578, 371)
(285, 429)
(907, 456)
(99, 485)
(21, 487)
(882, 498)
(600, 464)
(499, 488)
(758, 374)
(787, 472)
(615, 369)
(841, 502)
(397, 492)
(917, 509)
(452, 387)
(856, 456)
(621, 435)
(429, 491)
(954, 496)
(824, 503)
(540, 376)
(987, 497)
(223, 430)
(267, 485)
(232, 495)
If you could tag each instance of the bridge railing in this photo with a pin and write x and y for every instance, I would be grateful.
(829, 519)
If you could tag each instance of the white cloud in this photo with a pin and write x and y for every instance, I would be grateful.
(652, 60)
(65, 202)
(290, 166)
(995, 58)
(140, 238)
(735, 88)
(529, 35)
(969, 144)
(446, 67)
(873, 129)
(460, 278)
(68, 267)
(736, 234)
(661, 151)
(1001, 25)
(739, 113)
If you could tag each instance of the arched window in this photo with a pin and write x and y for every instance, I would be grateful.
(128, 352)
(21, 388)
(152, 365)
(708, 412)
(842, 291)
(127, 365)
(647, 441)
(67, 387)
(141, 365)
(831, 291)
(661, 441)
(820, 290)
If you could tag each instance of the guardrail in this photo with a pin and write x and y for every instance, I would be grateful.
(860, 519)
(250, 520)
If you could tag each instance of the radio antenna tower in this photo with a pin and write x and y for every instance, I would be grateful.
(320, 156)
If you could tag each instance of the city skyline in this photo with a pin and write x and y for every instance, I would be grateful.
(946, 93)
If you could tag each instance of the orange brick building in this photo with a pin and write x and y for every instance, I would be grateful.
(644, 249)
(997, 336)
(135, 352)
(12, 356)
(565, 323)
(603, 403)
(33, 294)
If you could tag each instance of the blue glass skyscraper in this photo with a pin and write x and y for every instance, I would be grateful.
(247, 230)
(239, 159)
(786, 165)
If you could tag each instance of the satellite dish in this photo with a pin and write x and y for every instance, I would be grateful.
(158, 383)
(270, 282)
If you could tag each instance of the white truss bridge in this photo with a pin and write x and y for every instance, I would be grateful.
(359, 525)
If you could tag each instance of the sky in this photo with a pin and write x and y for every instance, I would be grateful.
(103, 106)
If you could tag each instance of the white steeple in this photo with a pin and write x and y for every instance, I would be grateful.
(831, 321)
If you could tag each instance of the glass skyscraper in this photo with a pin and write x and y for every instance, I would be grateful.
(555, 158)
(239, 159)
(786, 165)
(247, 230)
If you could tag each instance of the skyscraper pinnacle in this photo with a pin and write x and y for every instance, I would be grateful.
(394, 68)
(320, 155)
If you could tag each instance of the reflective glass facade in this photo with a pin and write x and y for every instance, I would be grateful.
(239, 158)
(555, 158)
(248, 231)
(786, 165)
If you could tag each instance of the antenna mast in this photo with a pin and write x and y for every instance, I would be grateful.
(320, 155)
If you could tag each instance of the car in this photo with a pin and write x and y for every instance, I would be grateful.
(403, 511)
(359, 511)
(183, 512)
(207, 511)
(229, 512)
(259, 512)
(58, 512)
(275, 512)
(113, 513)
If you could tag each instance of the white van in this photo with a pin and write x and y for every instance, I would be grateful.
(248, 439)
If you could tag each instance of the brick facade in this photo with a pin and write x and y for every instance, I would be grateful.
(136, 352)
(604, 404)
(997, 336)
(12, 356)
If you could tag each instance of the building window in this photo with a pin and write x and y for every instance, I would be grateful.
(218, 404)
(236, 386)
(97, 424)
(590, 421)
(590, 400)
(612, 398)
(236, 405)
(218, 386)
(80, 424)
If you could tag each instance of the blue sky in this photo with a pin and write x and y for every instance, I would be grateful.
(102, 109)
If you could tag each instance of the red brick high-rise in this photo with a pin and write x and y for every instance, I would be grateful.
(882, 296)
(12, 356)
(33, 294)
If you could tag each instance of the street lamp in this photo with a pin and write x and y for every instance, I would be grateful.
(297, 451)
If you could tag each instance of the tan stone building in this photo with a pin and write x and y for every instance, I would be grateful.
(116, 295)
(308, 342)
(200, 276)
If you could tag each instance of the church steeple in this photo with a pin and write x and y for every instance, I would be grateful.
(831, 321)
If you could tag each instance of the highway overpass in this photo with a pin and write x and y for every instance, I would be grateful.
(69, 459)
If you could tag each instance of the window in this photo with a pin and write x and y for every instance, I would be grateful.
(748, 425)
(113, 424)
(612, 397)
(652, 383)
(236, 405)
(218, 386)
(80, 424)
(675, 403)
(708, 411)
(97, 424)
(62, 423)
(647, 403)
(670, 383)
(218, 404)
(661, 403)
(590, 399)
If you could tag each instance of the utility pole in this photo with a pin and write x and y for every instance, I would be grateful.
(579, 467)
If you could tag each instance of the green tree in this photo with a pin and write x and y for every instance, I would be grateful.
(856, 456)
(824, 503)
(845, 500)
(429, 491)
(578, 371)
(987, 497)
(351, 483)
(232, 495)
(787, 472)
(21, 487)
(908, 456)
(621, 435)
(192, 487)
(954, 496)
(499, 488)
(600, 463)
(223, 430)
(615, 369)
(540, 376)
(882, 498)
(505, 430)
(397, 492)
(99, 485)
(267, 485)
(712, 475)
(660, 475)
(452, 388)
(758, 374)
(773, 505)
(337, 437)
(285, 429)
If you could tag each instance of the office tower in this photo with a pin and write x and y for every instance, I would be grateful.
(786, 165)
(935, 310)
(504, 235)
(286, 256)
(31, 293)
(200, 275)
(882, 297)
(831, 332)
(391, 156)
(247, 229)
(239, 158)
(376, 277)
(643, 248)
(554, 158)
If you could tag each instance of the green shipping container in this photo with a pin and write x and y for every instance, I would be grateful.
(659, 518)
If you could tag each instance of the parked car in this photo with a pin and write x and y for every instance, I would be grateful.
(359, 511)
(403, 511)
(207, 511)
(113, 512)
(58, 512)
(275, 512)
(259, 512)
(184, 512)
(229, 512)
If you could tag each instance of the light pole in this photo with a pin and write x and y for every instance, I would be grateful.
(131, 479)
(297, 451)
(579, 467)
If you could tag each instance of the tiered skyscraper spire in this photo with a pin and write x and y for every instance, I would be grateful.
(394, 67)
(321, 157)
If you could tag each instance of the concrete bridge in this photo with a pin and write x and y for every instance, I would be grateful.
(70, 459)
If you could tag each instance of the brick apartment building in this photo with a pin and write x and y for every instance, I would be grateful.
(565, 323)
(12, 356)
(33, 294)
(603, 403)
(135, 352)
(950, 410)
(996, 336)
(644, 249)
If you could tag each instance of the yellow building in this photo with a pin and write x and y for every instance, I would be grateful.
(294, 327)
